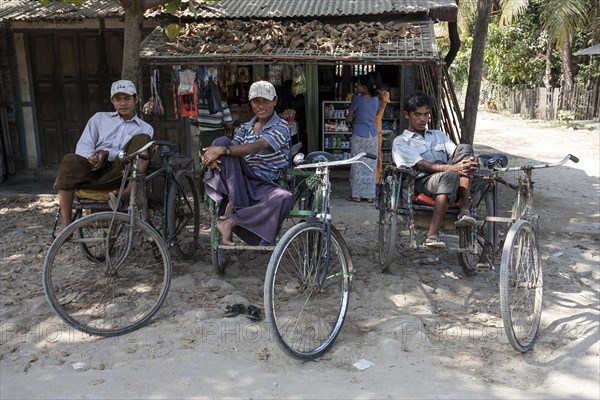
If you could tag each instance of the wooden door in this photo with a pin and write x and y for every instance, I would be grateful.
(71, 75)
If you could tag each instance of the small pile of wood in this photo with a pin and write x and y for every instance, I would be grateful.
(236, 36)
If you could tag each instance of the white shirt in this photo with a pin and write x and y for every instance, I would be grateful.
(108, 131)
(409, 148)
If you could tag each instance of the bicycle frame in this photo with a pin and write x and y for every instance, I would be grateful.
(322, 211)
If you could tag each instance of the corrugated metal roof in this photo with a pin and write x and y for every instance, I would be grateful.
(589, 51)
(33, 10)
(210, 43)
(445, 10)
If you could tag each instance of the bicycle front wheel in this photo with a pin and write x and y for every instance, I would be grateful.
(388, 222)
(183, 215)
(521, 286)
(114, 294)
(307, 289)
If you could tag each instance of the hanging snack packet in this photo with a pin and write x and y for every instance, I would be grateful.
(299, 81)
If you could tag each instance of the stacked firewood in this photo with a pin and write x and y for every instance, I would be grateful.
(232, 36)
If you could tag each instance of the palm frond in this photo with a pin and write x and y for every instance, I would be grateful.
(512, 9)
(561, 18)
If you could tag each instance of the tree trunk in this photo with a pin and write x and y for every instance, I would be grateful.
(484, 8)
(131, 47)
(548, 73)
(567, 61)
(132, 32)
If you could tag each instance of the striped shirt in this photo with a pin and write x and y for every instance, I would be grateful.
(212, 122)
(269, 162)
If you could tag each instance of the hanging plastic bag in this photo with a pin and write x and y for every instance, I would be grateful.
(275, 74)
(186, 81)
(299, 81)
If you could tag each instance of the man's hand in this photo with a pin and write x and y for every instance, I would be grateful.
(97, 159)
(211, 155)
(466, 167)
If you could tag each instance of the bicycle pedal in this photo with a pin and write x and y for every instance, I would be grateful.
(483, 267)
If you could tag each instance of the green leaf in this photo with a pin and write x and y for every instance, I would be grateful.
(171, 31)
(173, 5)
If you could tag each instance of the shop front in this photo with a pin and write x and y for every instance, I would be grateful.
(314, 66)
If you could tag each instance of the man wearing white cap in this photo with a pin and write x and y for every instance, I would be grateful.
(242, 172)
(95, 164)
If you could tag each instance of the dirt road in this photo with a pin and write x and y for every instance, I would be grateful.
(430, 331)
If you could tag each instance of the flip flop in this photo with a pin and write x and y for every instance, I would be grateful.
(112, 201)
(254, 313)
(52, 237)
(234, 310)
(356, 199)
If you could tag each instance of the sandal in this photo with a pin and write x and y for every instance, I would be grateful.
(234, 310)
(370, 200)
(356, 199)
(52, 237)
(254, 313)
(112, 201)
(434, 243)
(465, 220)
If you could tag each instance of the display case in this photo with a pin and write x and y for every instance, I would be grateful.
(336, 133)
(390, 128)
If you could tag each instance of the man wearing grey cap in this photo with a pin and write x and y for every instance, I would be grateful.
(242, 173)
(95, 164)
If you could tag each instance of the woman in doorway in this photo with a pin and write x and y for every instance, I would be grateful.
(361, 116)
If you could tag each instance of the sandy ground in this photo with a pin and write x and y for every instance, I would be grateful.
(430, 331)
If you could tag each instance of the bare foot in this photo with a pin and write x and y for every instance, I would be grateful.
(226, 228)
(228, 212)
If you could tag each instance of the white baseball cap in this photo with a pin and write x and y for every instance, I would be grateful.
(123, 86)
(263, 89)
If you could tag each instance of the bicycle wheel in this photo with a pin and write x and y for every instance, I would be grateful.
(521, 286)
(306, 297)
(183, 215)
(481, 237)
(114, 295)
(388, 222)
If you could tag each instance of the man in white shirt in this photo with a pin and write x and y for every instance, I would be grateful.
(95, 164)
(444, 170)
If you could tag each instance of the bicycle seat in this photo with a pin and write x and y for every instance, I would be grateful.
(424, 200)
(492, 161)
(168, 149)
(318, 156)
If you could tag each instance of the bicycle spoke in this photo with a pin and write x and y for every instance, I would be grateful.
(108, 295)
(307, 313)
(521, 286)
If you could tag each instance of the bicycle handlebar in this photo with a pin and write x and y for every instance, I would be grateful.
(353, 160)
(129, 157)
(540, 166)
